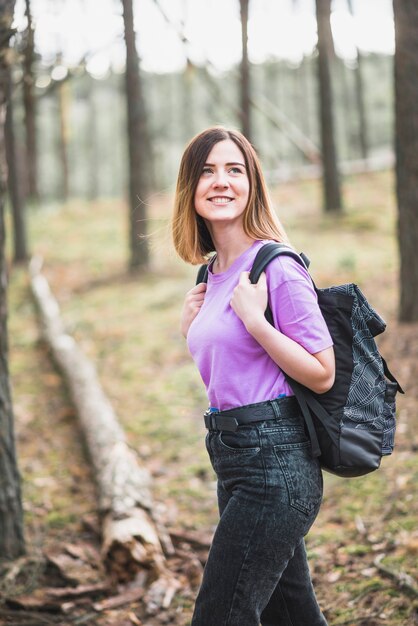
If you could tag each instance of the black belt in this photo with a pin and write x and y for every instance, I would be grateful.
(259, 412)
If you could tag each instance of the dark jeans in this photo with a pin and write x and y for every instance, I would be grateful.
(269, 494)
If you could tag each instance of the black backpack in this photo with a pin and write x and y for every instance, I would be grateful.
(352, 425)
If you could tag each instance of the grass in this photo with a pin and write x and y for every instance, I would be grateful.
(129, 327)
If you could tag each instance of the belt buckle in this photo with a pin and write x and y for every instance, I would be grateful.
(210, 419)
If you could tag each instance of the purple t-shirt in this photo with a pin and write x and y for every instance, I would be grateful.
(236, 370)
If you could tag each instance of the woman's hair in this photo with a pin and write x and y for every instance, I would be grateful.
(191, 236)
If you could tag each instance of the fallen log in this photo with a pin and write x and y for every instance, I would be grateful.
(130, 538)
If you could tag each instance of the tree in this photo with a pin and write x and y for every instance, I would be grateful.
(331, 178)
(93, 147)
(14, 183)
(406, 144)
(361, 109)
(137, 142)
(12, 542)
(29, 103)
(63, 101)
(245, 72)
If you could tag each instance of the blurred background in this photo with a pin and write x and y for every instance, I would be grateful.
(192, 75)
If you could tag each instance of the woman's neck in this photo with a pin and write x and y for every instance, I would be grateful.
(229, 248)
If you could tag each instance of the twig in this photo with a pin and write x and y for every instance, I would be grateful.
(84, 618)
(404, 581)
(40, 618)
(131, 595)
(360, 620)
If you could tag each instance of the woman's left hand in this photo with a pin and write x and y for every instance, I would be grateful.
(250, 301)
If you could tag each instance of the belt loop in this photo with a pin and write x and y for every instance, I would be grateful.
(276, 408)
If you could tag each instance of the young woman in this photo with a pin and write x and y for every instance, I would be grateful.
(269, 485)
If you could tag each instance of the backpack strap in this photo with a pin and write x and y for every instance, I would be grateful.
(309, 405)
(270, 251)
(390, 376)
(202, 274)
(264, 256)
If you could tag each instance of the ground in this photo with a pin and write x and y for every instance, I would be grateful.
(363, 547)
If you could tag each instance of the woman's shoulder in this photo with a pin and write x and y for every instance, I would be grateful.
(285, 268)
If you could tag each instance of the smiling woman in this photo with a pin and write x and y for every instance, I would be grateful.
(269, 484)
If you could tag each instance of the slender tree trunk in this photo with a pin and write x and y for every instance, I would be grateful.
(343, 74)
(138, 188)
(331, 178)
(406, 129)
(188, 89)
(245, 72)
(29, 103)
(12, 542)
(361, 108)
(14, 183)
(93, 149)
(360, 99)
(189, 83)
(63, 105)
(304, 81)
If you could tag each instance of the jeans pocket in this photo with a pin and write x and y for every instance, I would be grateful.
(239, 442)
(302, 474)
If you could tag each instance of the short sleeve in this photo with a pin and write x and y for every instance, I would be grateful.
(294, 305)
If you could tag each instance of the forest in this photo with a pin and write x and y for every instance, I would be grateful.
(107, 495)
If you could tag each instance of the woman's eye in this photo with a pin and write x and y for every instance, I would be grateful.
(235, 170)
(207, 170)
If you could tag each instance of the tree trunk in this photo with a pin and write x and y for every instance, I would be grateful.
(138, 188)
(331, 179)
(93, 148)
(12, 542)
(188, 104)
(29, 103)
(63, 101)
(360, 100)
(245, 73)
(406, 126)
(132, 539)
(14, 183)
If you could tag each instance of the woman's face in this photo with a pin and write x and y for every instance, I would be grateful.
(223, 188)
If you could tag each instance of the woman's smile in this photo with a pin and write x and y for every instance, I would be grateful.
(220, 199)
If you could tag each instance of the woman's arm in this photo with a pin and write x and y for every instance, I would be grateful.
(315, 371)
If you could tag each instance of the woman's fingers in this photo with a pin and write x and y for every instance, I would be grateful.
(192, 305)
(244, 278)
(197, 294)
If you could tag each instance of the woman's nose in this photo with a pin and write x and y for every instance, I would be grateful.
(221, 179)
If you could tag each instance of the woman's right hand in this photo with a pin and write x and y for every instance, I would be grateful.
(192, 305)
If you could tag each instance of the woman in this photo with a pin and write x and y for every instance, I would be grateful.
(269, 486)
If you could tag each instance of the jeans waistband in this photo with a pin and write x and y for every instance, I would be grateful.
(258, 412)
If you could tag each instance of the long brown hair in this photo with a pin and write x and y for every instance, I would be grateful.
(192, 239)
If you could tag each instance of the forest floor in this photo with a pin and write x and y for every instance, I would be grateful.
(364, 545)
